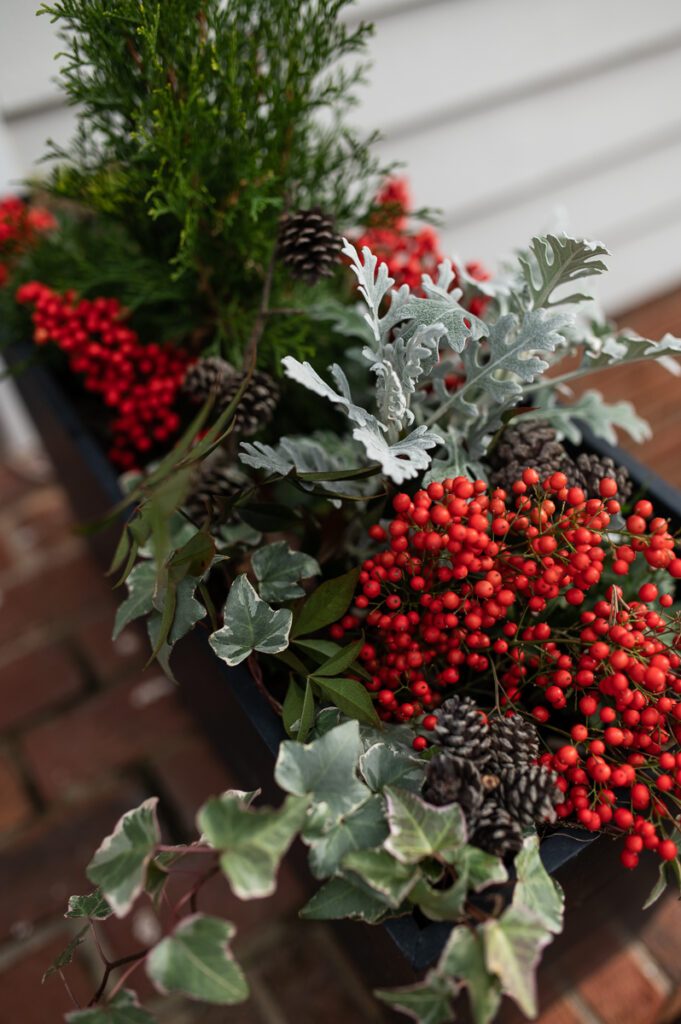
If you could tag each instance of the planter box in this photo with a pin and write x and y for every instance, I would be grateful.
(246, 732)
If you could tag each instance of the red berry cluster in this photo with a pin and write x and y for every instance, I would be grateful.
(20, 226)
(138, 382)
(408, 254)
(475, 590)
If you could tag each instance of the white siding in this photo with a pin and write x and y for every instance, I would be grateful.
(504, 112)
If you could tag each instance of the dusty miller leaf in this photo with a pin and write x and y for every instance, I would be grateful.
(304, 374)
(553, 261)
(250, 625)
(404, 459)
(602, 417)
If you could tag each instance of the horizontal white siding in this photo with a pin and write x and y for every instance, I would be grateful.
(504, 112)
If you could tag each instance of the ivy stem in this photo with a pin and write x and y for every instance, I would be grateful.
(111, 965)
(190, 896)
(68, 989)
(137, 957)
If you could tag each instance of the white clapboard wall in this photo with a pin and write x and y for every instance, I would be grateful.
(511, 116)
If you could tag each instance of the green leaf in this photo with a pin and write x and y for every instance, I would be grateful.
(119, 865)
(323, 649)
(188, 610)
(250, 625)
(441, 904)
(278, 569)
(364, 829)
(325, 770)
(292, 708)
(383, 765)
(328, 603)
(419, 830)
(66, 955)
(156, 880)
(141, 584)
(535, 890)
(93, 905)
(340, 660)
(196, 960)
(252, 842)
(383, 873)
(194, 558)
(339, 898)
(481, 869)
(463, 958)
(429, 1002)
(513, 945)
(122, 1009)
(556, 260)
(350, 696)
(307, 714)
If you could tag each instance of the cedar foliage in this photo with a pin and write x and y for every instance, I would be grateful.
(199, 123)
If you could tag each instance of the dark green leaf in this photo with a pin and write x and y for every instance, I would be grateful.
(350, 696)
(385, 875)
(121, 552)
(428, 1002)
(383, 765)
(278, 569)
(196, 960)
(119, 866)
(340, 661)
(267, 516)
(141, 585)
(340, 898)
(193, 558)
(292, 708)
(328, 603)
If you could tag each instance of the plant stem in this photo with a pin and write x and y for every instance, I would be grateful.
(251, 350)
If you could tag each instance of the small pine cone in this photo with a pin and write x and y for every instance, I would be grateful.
(529, 794)
(495, 831)
(528, 444)
(308, 244)
(452, 780)
(463, 731)
(256, 405)
(216, 482)
(204, 377)
(594, 467)
(514, 742)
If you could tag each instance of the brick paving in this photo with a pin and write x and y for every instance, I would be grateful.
(87, 732)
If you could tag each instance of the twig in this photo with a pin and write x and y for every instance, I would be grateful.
(254, 669)
(250, 352)
(68, 989)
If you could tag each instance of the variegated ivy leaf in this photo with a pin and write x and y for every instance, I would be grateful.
(339, 898)
(278, 570)
(535, 890)
(250, 625)
(383, 765)
(427, 1002)
(122, 1008)
(141, 584)
(419, 830)
(195, 959)
(119, 866)
(553, 260)
(364, 829)
(513, 946)
(384, 874)
(400, 461)
(602, 417)
(463, 958)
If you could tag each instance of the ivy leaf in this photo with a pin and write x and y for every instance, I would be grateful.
(513, 945)
(350, 696)
(383, 765)
(464, 958)
(364, 829)
(535, 890)
(441, 904)
(556, 260)
(119, 865)
(419, 830)
(196, 960)
(383, 873)
(141, 584)
(122, 1009)
(250, 625)
(404, 459)
(481, 869)
(93, 905)
(328, 603)
(339, 898)
(252, 842)
(429, 1002)
(66, 955)
(278, 570)
(188, 610)
(325, 770)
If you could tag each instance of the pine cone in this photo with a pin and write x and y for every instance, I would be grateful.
(514, 742)
(495, 831)
(214, 375)
(308, 244)
(529, 794)
(205, 376)
(256, 405)
(451, 780)
(216, 481)
(594, 467)
(463, 731)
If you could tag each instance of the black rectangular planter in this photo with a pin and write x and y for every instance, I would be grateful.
(246, 732)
